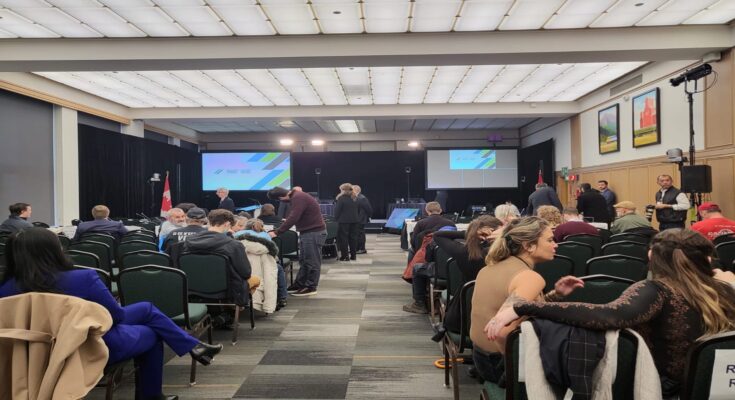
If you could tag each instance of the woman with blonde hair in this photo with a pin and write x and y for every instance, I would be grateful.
(508, 278)
(346, 214)
(551, 214)
(680, 304)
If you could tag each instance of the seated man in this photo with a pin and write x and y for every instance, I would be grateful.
(196, 219)
(573, 224)
(101, 224)
(176, 219)
(432, 222)
(268, 215)
(713, 223)
(18, 219)
(627, 218)
(215, 240)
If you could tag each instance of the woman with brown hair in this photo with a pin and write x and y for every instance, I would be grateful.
(345, 213)
(551, 214)
(680, 304)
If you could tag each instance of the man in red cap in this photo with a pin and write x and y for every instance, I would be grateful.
(713, 224)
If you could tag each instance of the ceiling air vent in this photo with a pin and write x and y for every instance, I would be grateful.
(630, 83)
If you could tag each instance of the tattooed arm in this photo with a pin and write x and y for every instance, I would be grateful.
(525, 286)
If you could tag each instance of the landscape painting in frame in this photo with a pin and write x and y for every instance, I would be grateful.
(646, 119)
(608, 125)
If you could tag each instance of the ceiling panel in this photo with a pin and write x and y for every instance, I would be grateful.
(167, 18)
(384, 125)
(366, 125)
(403, 125)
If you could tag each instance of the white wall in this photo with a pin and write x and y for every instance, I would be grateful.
(561, 132)
(674, 116)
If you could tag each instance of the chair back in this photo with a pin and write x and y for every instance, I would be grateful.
(99, 237)
(289, 243)
(579, 253)
(454, 279)
(85, 259)
(730, 237)
(618, 265)
(592, 240)
(101, 250)
(144, 257)
(332, 228)
(65, 241)
(2, 254)
(599, 289)
(207, 274)
(554, 269)
(726, 253)
(622, 388)
(165, 287)
(441, 267)
(630, 237)
(514, 389)
(626, 248)
(604, 234)
(700, 361)
(39, 224)
(138, 235)
(465, 314)
(4, 237)
(133, 245)
(104, 276)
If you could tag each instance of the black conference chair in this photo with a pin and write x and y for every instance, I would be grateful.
(144, 257)
(599, 289)
(101, 250)
(604, 234)
(700, 361)
(131, 246)
(85, 259)
(455, 343)
(592, 240)
(627, 248)
(726, 254)
(630, 237)
(554, 269)
(579, 253)
(618, 265)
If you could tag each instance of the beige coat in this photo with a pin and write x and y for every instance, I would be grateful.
(263, 263)
(51, 346)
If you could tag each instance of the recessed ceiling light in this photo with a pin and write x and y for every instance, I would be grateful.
(286, 142)
(286, 124)
(639, 4)
(413, 144)
(317, 142)
(336, 12)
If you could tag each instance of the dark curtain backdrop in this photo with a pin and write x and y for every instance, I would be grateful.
(114, 170)
(531, 159)
(382, 176)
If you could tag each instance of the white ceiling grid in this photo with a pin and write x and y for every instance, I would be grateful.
(347, 86)
(172, 18)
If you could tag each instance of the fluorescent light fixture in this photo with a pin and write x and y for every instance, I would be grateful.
(317, 142)
(286, 142)
(413, 144)
(347, 125)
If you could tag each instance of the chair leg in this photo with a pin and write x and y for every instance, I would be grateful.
(236, 325)
(193, 373)
(446, 363)
(109, 387)
(209, 332)
(455, 376)
(252, 315)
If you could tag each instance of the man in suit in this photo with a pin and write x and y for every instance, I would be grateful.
(101, 224)
(225, 202)
(18, 219)
(543, 196)
(364, 212)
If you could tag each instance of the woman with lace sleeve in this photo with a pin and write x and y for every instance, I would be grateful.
(680, 304)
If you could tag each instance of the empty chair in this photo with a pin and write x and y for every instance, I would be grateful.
(131, 246)
(599, 289)
(101, 250)
(85, 259)
(630, 236)
(726, 253)
(579, 253)
(554, 269)
(618, 265)
(144, 257)
(592, 240)
(288, 250)
(99, 237)
(330, 243)
(700, 363)
(104, 276)
(627, 248)
(139, 235)
(604, 234)
(65, 241)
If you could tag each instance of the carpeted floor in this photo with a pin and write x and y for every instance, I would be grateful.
(351, 341)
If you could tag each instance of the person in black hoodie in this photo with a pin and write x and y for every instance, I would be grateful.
(215, 240)
(592, 204)
(346, 214)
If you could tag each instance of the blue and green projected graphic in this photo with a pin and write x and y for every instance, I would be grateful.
(246, 171)
(472, 159)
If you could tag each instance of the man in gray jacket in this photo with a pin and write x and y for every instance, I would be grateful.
(17, 221)
(543, 196)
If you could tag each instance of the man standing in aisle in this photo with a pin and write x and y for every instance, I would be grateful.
(610, 197)
(671, 204)
(225, 202)
(307, 217)
(364, 212)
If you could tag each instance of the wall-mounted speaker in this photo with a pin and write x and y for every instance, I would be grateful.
(696, 179)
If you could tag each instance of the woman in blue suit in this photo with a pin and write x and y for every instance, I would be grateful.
(36, 263)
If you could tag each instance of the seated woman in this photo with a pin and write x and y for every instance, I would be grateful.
(254, 227)
(36, 263)
(506, 212)
(507, 278)
(680, 304)
(470, 256)
(551, 214)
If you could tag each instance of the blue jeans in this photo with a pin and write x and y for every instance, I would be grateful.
(310, 259)
(282, 293)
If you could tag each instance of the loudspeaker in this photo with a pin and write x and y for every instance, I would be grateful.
(696, 179)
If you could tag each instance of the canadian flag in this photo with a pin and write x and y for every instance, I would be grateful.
(540, 177)
(166, 200)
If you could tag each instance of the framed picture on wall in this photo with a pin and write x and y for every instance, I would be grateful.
(646, 119)
(608, 128)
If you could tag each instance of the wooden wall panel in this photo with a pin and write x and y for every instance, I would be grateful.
(618, 181)
(718, 104)
(723, 184)
(638, 193)
(576, 141)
